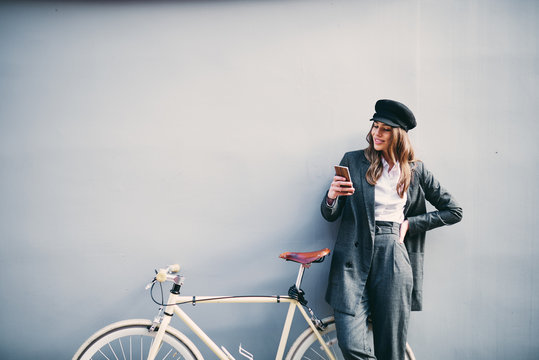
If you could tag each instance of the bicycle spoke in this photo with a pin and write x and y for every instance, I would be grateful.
(321, 354)
(106, 357)
(113, 352)
(330, 342)
(132, 341)
(318, 354)
(167, 354)
(333, 351)
(122, 347)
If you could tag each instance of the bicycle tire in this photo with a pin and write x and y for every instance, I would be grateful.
(409, 353)
(132, 337)
(307, 346)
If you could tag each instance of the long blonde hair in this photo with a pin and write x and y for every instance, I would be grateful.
(399, 150)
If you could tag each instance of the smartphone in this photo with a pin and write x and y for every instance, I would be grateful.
(343, 171)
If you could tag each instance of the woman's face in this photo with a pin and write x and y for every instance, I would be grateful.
(382, 135)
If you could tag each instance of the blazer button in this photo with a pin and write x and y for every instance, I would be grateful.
(356, 244)
(348, 264)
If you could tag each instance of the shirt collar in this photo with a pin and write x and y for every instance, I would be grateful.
(396, 167)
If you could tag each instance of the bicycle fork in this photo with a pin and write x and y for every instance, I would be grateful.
(162, 321)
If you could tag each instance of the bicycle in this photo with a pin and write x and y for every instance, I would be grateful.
(146, 339)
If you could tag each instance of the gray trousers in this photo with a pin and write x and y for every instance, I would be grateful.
(386, 301)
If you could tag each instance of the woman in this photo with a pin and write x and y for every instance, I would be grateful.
(377, 266)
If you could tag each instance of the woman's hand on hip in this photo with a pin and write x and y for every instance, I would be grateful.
(340, 187)
(403, 231)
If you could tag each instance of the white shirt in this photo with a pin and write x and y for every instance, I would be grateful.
(388, 205)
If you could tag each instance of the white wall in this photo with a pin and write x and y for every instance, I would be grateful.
(137, 134)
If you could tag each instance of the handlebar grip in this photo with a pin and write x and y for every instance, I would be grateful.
(161, 275)
(174, 268)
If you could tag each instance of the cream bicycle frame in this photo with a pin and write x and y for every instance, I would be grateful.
(172, 307)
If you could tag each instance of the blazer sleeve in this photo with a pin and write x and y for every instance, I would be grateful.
(332, 213)
(447, 210)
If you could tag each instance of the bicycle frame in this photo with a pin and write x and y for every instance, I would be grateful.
(172, 307)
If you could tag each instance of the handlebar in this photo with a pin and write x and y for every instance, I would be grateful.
(163, 273)
(174, 268)
(167, 274)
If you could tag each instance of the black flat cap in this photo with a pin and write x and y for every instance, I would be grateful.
(394, 114)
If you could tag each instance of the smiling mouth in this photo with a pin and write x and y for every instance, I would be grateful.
(378, 141)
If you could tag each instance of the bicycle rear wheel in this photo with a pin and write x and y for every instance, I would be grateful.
(307, 346)
(130, 339)
(409, 353)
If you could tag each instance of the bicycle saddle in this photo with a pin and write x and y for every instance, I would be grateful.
(305, 257)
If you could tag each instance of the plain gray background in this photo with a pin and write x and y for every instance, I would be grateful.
(138, 134)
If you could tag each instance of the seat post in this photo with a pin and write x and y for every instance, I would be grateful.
(300, 275)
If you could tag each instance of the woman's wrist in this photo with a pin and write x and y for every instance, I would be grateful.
(332, 195)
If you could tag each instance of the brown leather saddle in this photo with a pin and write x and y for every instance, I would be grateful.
(306, 258)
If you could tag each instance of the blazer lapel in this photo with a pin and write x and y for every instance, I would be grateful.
(408, 196)
(368, 194)
(409, 191)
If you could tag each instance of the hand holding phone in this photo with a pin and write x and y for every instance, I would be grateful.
(344, 172)
(342, 183)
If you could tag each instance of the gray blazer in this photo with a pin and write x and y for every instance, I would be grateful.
(352, 254)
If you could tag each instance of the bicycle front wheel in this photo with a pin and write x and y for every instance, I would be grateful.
(131, 339)
(308, 347)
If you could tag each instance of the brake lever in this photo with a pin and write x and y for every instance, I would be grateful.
(150, 284)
